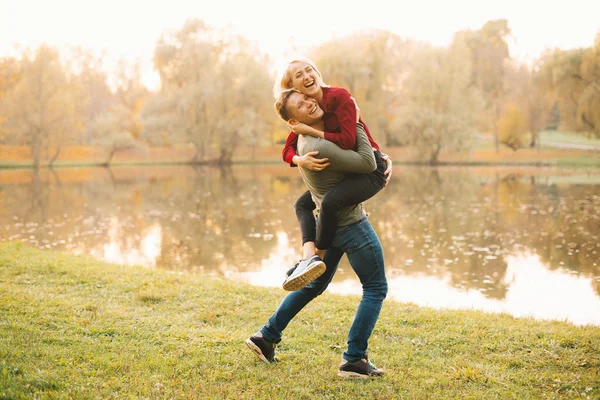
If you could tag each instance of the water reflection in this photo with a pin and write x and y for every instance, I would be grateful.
(270, 272)
(144, 251)
(533, 291)
(491, 238)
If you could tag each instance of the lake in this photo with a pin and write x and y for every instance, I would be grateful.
(525, 241)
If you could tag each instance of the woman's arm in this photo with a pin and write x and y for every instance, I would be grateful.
(347, 114)
(360, 161)
(289, 151)
(347, 119)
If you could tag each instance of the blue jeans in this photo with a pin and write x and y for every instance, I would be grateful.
(360, 242)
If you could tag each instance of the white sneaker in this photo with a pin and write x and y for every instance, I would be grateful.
(307, 271)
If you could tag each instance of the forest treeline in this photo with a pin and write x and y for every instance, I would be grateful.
(215, 93)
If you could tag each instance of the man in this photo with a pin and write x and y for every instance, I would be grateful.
(355, 237)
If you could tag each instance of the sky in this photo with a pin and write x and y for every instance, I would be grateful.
(130, 28)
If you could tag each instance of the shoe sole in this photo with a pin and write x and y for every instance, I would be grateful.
(256, 350)
(307, 277)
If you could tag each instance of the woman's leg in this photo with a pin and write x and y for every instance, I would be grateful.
(304, 207)
(353, 189)
(295, 301)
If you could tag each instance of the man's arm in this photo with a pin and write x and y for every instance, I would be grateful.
(360, 161)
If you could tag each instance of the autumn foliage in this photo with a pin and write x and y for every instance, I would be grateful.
(215, 85)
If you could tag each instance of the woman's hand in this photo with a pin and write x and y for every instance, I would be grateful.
(309, 161)
(388, 171)
(357, 109)
(302, 129)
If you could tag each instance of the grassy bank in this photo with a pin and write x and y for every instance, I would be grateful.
(72, 327)
(483, 153)
(568, 137)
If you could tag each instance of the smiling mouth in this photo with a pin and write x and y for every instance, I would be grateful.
(310, 84)
(314, 110)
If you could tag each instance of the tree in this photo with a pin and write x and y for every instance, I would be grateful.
(69, 127)
(371, 66)
(526, 89)
(213, 93)
(10, 71)
(130, 95)
(117, 141)
(540, 102)
(112, 131)
(439, 105)
(588, 103)
(488, 54)
(41, 107)
(96, 97)
(568, 84)
(574, 79)
(512, 127)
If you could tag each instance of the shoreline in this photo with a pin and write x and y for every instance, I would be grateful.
(532, 163)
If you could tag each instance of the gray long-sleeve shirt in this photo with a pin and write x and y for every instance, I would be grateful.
(342, 161)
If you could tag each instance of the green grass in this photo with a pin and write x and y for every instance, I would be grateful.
(83, 164)
(593, 160)
(486, 142)
(16, 164)
(72, 327)
(568, 137)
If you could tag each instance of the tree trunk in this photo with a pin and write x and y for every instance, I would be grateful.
(588, 123)
(54, 157)
(225, 156)
(533, 144)
(435, 155)
(227, 149)
(496, 133)
(36, 150)
(511, 145)
(110, 156)
(197, 159)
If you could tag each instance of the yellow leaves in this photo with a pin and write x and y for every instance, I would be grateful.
(279, 135)
(138, 104)
(573, 75)
(512, 126)
(281, 187)
(588, 107)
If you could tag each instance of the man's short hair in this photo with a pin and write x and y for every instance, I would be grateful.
(281, 103)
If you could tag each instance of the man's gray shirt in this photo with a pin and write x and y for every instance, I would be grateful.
(342, 161)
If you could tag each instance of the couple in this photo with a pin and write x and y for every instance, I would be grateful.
(325, 121)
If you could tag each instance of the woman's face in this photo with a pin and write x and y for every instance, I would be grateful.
(304, 78)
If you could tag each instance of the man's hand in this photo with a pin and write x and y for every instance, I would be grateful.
(388, 171)
(309, 161)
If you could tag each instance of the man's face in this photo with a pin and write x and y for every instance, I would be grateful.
(304, 108)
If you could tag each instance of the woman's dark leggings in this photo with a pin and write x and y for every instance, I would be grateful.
(353, 189)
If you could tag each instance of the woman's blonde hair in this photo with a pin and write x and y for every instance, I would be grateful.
(283, 81)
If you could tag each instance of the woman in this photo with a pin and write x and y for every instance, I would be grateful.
(340, 118)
